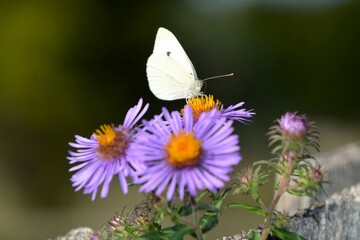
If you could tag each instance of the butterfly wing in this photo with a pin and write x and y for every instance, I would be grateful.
(166, 43)
(167, 79)
(170, 72)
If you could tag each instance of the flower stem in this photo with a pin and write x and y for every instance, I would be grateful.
(195, 216)
(284, 183)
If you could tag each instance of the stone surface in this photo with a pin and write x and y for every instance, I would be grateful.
(334, 218)
(338, 218)
(241, 236)
(342, 167)
(82, 233)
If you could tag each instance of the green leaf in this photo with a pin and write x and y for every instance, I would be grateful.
(185, 210)
(176, 232)
(277, 149)
(261, 162)
(210, 217)
(209, 220)
(298, 193)
(255, 235)
(218, 201)
(286, 235)
(269, 163)
(250, 208)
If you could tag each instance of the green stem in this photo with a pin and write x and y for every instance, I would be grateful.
(195, 216)
(284, 183)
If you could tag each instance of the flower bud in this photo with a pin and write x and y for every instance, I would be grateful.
(128, 225)
(293, 124)
(245, 175)
(317, 174)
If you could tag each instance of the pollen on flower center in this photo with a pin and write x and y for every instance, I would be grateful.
(112, 142)
(183, 149)
(202, 104)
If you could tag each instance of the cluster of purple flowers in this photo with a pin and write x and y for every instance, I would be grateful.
(174, 152)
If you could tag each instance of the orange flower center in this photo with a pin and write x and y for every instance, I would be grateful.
(183, 149)
(202, 104)
(112, 142)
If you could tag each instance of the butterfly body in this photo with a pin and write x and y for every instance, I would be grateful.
(170, 72)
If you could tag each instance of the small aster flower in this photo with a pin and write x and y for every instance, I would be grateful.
(206, 103)
(181, 156)
(293, 135)
(293, 124)
(105, 154)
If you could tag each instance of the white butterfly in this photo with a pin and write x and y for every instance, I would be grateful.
(170, 72)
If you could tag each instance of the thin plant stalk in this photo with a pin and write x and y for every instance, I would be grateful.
(195, 217)
(284, 183)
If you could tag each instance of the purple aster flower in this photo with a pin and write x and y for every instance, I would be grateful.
(206, 103)
(186, 157)
(293, 124)
(105, 154)
(234, 112)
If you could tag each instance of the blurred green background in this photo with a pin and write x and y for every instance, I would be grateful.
(67, 67)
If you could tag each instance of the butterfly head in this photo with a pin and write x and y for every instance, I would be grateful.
(196, 88)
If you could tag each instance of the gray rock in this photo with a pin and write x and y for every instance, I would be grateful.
(334, 218)
(342, 168)
(338, 218)
(82, 233)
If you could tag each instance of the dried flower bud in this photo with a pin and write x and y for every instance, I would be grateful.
(293, 124)
(134, 223)
(317, 174)
(245, 175)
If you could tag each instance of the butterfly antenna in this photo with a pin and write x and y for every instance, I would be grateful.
(219, 76)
